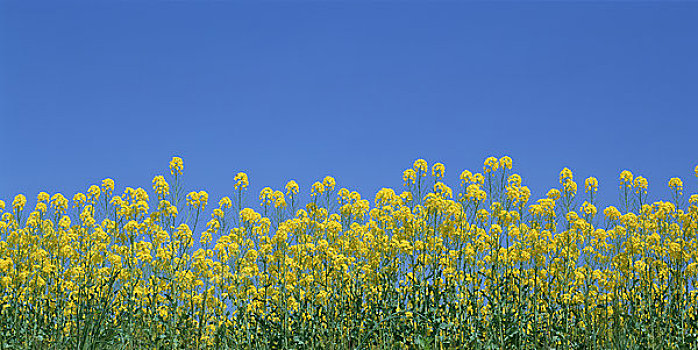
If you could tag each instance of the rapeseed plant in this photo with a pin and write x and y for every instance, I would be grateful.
(430, 267)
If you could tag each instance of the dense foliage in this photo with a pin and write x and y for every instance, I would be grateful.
(424, 269)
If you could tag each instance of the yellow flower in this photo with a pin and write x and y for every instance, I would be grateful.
(197, 200)
(385, 196)
(626, 178)
(248, 215)
(554, 194)
(5, 281)
(291, 188)
(94, 192)
(612, 213)
(176, 166)
(329, 183)
(478, 178)
(482, 215)
(279, 199)
(183, 232)
(420, 166)
(570, 186)
(79, 199)
(524, 194)
(565, 174)
(206, 237)
(406, 196)
(225, 203)
(438, 170)
(491, 164)
(42, 197)
(473, 192)
(588, 208)
(317, 188)
(142, 207)
(505, 162)
(193, 198)
(241, 181)
(203, 198)
(676, 184)
(6, 264)
(442, 189)
(591, 184)
(108, 186)
(251, 255)
(409, 176)
(160, 186)
(2, 205)
(466, 177)
(19, 202)
(139, 194)
(265, 196)
(514, 180)
(64, 222)
(41, 207)
(640, 184)
(59, 203)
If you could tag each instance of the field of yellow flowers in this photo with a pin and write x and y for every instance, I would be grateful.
(480, 267)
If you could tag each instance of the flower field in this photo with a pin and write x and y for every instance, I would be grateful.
(483, 266)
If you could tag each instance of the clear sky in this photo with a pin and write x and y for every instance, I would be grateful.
(357, 90)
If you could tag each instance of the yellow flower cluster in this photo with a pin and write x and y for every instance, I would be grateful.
(591, 184)
(176, 166)
(241, 181)
(198, 200)
(450, 265)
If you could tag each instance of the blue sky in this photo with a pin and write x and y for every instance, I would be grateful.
(356, 90)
